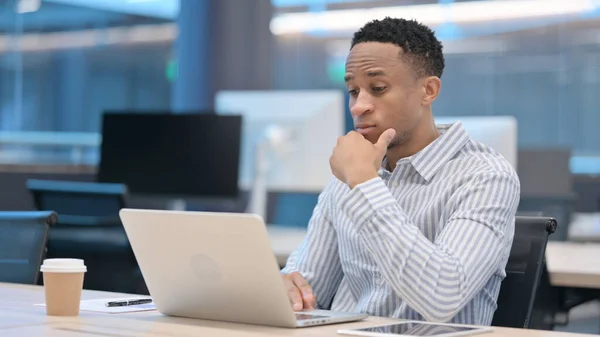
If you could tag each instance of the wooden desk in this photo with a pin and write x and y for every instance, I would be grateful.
(574, 264)
(570, 264)
(18, 317)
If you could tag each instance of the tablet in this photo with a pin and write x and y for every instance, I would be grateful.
(417, 329)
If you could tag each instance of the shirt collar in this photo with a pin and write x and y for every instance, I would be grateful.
(453, 137)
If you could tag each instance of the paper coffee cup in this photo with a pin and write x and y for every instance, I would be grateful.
(63, 282)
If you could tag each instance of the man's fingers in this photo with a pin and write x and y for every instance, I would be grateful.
(309, 300)
(386, 139)
(293, 293)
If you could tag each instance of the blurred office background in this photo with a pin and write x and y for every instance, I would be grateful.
(65, 63)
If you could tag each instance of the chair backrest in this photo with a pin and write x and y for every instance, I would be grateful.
(73, 198)
(525, 269)
(89, 228)
(23, 238)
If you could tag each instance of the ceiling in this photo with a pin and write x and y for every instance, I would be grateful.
(162, 9)
(54, 16)
(64, 15)
(75, 15)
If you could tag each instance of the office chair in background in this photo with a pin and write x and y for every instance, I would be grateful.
(23, 237)
(90, 229)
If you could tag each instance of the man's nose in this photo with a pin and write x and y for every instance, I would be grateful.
(362, 105)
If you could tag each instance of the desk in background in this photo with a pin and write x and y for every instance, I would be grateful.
(19, 317)
(574, 264)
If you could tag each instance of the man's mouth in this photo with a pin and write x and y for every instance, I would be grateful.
(365, 129)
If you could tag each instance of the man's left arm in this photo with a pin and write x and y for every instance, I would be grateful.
(437, 279)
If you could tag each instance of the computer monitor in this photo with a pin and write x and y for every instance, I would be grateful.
(301, 126)
(171, 155)
(497, 132)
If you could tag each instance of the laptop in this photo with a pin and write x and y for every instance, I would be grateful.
(215, 266)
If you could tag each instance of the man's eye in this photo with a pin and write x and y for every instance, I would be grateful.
(378, 89)
(353, 92)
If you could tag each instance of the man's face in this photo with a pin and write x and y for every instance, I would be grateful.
(384, 91)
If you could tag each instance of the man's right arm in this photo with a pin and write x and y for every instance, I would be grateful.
(315, 268)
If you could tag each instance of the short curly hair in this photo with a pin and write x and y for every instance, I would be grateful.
(421, 49)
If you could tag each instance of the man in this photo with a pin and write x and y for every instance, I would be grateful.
(419, 219)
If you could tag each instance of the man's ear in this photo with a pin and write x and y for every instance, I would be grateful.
(431, 86)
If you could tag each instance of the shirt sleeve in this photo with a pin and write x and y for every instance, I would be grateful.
(317, 257)
(437, 279)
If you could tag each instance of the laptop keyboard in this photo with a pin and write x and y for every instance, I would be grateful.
(308, 316)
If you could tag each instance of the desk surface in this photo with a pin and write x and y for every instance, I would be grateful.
(570, 264)
(574, 264)
(19, 317)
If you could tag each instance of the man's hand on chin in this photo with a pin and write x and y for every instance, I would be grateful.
(356, 160)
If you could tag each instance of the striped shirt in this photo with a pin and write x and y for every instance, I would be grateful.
(428, 241)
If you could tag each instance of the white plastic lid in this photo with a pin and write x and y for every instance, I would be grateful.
(63, 266)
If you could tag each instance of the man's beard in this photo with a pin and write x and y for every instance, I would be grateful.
(399, 139)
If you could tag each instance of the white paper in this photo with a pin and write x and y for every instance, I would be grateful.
(99, 305)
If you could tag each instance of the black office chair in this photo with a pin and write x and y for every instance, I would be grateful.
(23, 237)
(89, 228)
(84, 200)
(526, 298)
